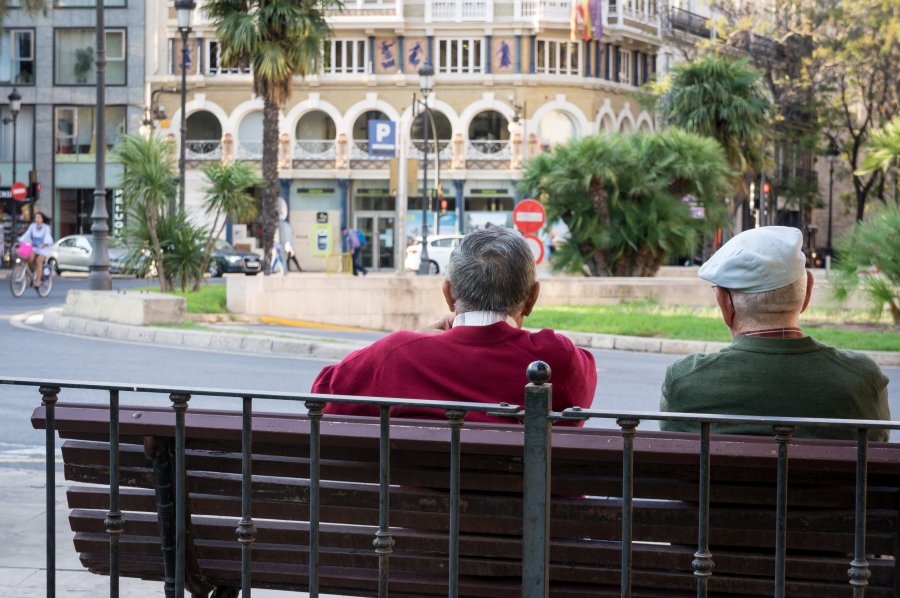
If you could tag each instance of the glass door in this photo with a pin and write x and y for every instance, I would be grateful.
(379, 229)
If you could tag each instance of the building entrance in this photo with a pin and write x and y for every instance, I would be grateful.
(380, 231)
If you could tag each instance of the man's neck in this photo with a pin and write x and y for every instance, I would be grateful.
(786, 328)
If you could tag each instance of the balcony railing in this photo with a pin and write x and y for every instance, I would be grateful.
(250, 150)
(315, 149)
(444, 147)
(644, 11)
(497, 149)
(688, 22)
(558, 11)
(206, 149)
(459, 10)
(368, 8)
(359, 150)
(82, 3)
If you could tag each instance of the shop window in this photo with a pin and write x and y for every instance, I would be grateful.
(17, 57)
(75, 129)
(76, 54)
(361, 127)
(557, 57)
(460, 56)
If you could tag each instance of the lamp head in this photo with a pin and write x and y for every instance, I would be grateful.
(426, 78)
(15, 101)
(833, 150)
(184, 10)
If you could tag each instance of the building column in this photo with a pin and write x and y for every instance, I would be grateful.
(518, 54)
(344, 187)
(430, 39)
(598, 54)
(532, 43)
(458, 189)
(401, 54)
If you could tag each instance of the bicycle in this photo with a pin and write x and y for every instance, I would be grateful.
(22, 277)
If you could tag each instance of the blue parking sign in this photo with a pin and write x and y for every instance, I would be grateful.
(383, 137)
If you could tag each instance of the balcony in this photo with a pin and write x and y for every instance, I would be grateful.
(204, 149)
(442, 146)
(364, 11)
(250, 150)
(553, 11)
(459, 11)
(687, 22)
(315, 149)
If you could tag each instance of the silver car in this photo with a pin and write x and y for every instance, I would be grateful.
(73, 254)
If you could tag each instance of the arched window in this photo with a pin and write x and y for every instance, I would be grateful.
(556, 127)
(361, 128)
(250, 134)
(203, 139)
(489, 132)
(440, 132)
(315, 136)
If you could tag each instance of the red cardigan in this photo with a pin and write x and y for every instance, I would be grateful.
(483, 364)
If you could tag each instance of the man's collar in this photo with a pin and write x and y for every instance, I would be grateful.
(481, 318)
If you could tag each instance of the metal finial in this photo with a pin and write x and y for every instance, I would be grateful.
(538, 372)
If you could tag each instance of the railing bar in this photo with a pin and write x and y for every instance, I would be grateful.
(49, 399)
(783, 436)
(315, 410)
(246, 530)
(383, 542)
(179, 405)
(114, 523)
(629, 427)
(455, 418)
(859, 568)
(703, 563)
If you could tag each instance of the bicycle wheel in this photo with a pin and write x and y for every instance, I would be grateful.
(18, 279)
(44, 288)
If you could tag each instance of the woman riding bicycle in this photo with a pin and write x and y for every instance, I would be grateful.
(39, 237)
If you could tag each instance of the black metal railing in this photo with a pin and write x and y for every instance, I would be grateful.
(538, 440)
(689, 22)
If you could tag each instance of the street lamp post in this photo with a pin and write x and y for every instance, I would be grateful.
(832, 155)
(426, 77)
(183, 9)
(154, 112)
(15, 104)
(99, 278)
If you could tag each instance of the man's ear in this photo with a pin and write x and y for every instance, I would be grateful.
(532, 299)
(810, 279)
(726, 305)
(448, 295)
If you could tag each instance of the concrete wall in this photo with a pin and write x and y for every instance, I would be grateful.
(389, 302)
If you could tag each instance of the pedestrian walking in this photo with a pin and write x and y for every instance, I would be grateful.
(286, 232)
(354, 241)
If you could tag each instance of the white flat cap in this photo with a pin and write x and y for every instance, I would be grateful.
(757, 260)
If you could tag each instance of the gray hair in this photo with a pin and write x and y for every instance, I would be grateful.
(491, 270)
(771, 304)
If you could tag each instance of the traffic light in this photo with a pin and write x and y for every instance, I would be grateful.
(767, 188)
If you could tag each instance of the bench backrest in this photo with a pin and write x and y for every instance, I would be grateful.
(585, 515)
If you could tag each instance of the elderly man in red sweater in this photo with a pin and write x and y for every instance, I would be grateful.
(477, 353)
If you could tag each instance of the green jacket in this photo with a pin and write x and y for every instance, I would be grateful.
(777, 378)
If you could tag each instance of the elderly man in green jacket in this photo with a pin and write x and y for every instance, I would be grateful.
(771, 368)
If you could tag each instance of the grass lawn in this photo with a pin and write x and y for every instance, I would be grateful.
(210, 299)
(651, 320)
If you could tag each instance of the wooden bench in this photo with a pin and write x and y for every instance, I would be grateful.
(586, 512)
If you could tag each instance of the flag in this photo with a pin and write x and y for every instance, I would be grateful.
(586, 20)
(597, 18)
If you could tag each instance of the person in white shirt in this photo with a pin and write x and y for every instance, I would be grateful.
(40, 238)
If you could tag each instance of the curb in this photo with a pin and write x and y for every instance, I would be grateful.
(197, 339)
(264, 344)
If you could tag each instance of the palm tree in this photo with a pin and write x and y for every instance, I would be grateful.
(883, 149)
(229, 195)
(148, 185)
(278, 39)
(623, 198)
(721, 97)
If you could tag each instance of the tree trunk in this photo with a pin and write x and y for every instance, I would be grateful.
(270, 176)
(157, 250)
(598, 263)
(207, 251)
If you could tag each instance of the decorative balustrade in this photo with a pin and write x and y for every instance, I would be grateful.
(205, 149)
(359, 150)
(315, 149)
(497, 149)
(444, 147)
(250, 150)
(459, 10)
(559, 11)
(367, 8)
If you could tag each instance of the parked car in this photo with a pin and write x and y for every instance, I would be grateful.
(439, 248)
(73, 254)
(225, 258)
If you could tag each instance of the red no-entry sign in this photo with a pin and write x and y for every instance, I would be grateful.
(19, 191)
(529, 216)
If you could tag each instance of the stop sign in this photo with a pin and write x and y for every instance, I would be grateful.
(529, 216)
(19, 191)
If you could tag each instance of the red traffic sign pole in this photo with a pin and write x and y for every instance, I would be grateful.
(19, 191)
(529, 216)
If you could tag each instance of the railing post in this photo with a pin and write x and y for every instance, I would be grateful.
(179, 405)
(383, 542)
(859, 568)
(49, 396)
(629, 430)
(114, 522)
(246, 531)
(536, 483)
(455, 417)
(783, 436)
(315, 410)
(703, 563)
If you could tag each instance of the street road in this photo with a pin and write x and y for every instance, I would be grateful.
(627, 381)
